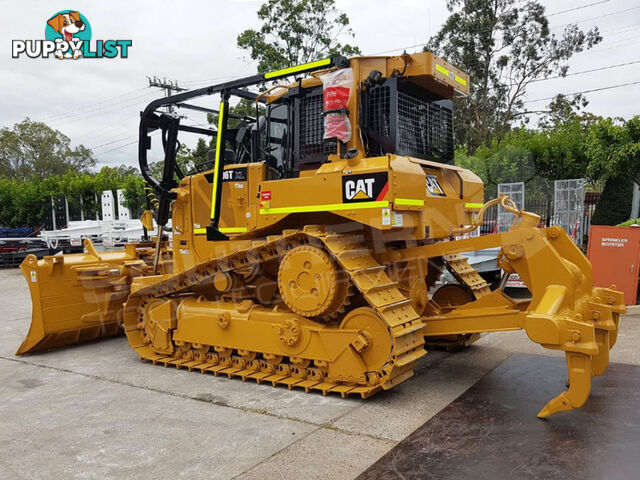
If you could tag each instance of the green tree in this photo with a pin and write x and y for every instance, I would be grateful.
(186, 159)
(504, 45)
(199, 154)
(504, 163)
(134, 193)
(555, 150)
(23, 202)
(563, 109)
(245, 108)
(613, 149)
(295, 32)
(558, 149)
(32, 149)
(7, 202)
(614, 206)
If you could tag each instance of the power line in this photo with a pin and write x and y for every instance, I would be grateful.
(116, 148)
(584, 91)
(111, 142)
(125, 145)
(116, 108)
(396, 49)
(558, 26)
(578, 8)
(596, 18)
(81, 113)
(616, 44)
(587, 71)
(424, 44)
(120, 146)
(205, 80)
(90, 108)
(116, 124)
(195, 122)
(100, 111)
(80, 110)
(630, 27)
(619, 31)
(625, 39)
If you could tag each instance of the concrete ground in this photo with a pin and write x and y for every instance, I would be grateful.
(96, 411)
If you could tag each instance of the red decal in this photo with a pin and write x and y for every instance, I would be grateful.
(335, 97)
(336, 125)
(266, 195)
(384, 191)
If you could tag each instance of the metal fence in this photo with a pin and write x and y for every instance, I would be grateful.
(515, 192)
(568, 207)
(545, 208)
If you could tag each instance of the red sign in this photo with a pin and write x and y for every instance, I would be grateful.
(266, 195)
(614, 253)
(335, 97)
(336, 125)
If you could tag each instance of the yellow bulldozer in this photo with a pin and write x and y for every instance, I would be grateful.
(307, 250)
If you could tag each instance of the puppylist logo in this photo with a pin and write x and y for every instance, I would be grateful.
(67, 35)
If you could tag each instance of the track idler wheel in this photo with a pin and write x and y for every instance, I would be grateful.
(310, 282)
(375, 342)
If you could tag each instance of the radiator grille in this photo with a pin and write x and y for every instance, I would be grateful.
(408, 121)
(379, 110)
(424, 128)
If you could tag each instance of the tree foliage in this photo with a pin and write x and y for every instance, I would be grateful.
(34, 150)
(555, 150)
(186, 158)
(23, 202)
(504, 162)
(613, 148)
(295, 32)
(504, 45)
(245, 108)
(614, 206)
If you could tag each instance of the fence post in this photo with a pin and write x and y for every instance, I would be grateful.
(635, 203)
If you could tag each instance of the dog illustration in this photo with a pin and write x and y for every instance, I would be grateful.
(67, 25)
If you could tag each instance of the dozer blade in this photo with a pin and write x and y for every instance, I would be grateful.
(76, 297)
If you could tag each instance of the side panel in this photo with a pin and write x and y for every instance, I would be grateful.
(390, 193)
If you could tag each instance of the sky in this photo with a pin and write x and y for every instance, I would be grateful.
(96, 102)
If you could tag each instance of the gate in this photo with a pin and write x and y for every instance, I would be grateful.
(568, 207)
(515, 191)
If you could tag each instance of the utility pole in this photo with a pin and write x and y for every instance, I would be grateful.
(168, 86)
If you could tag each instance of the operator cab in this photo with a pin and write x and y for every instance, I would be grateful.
(396, 116)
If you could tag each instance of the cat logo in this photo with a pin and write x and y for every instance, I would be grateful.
(361, 189)
(433, 187)
(365, 187)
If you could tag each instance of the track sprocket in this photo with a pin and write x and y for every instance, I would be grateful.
(310, 282)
